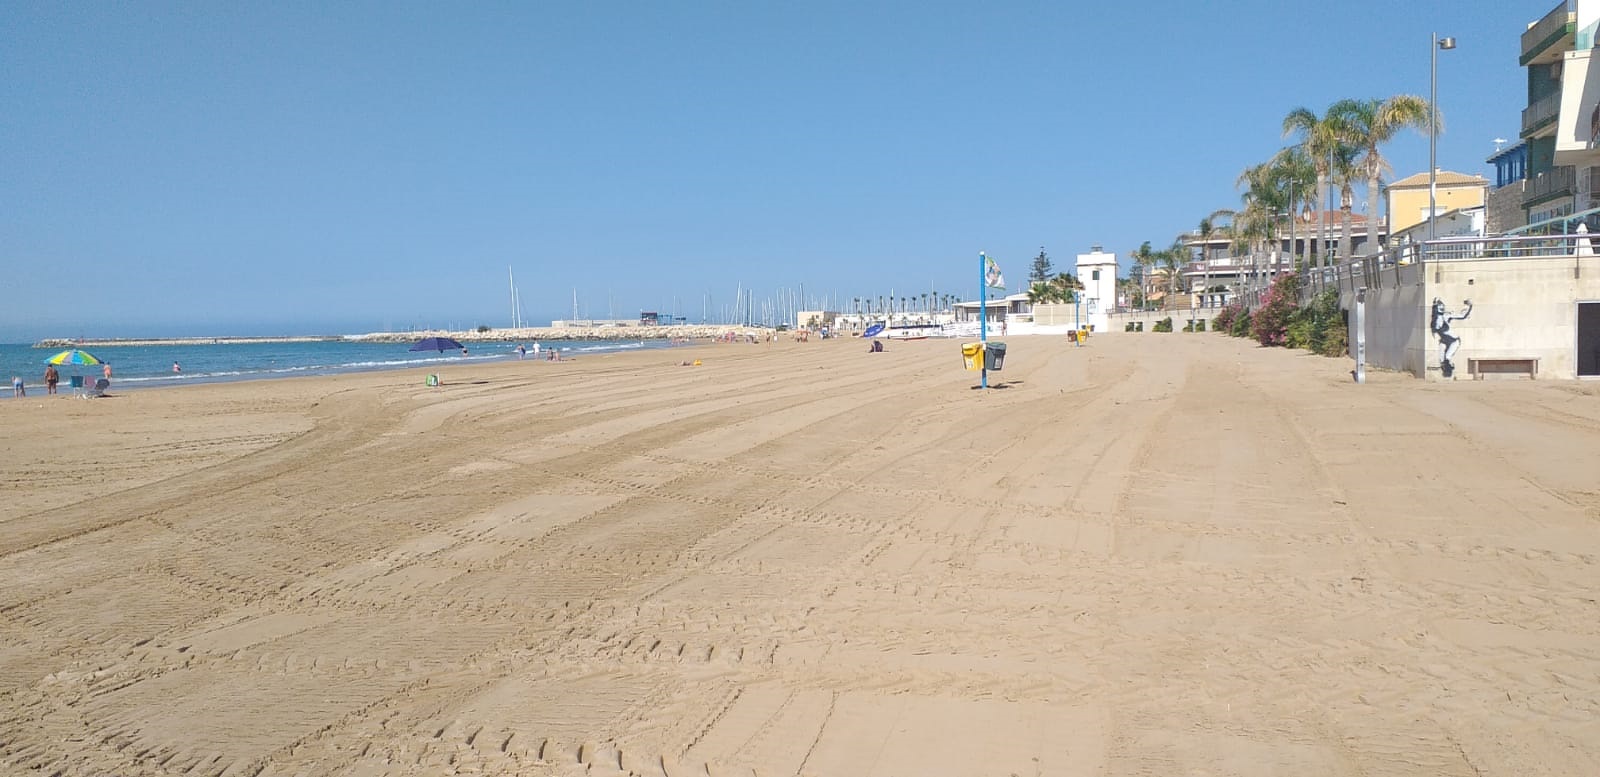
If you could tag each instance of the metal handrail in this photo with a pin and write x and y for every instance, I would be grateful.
(1473, 247)
(1366, 270)
(1556, 180)
(1542, 110)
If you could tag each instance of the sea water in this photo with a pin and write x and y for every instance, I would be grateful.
(149, 366)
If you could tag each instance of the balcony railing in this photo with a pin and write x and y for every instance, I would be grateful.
(1560, 22)
(1550, 183)
(1543, 111)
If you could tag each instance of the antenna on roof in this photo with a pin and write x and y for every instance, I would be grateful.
(1498, 142)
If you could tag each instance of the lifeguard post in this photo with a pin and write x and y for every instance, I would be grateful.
(1097, 271)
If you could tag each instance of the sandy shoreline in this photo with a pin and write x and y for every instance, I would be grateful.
(1155, 555)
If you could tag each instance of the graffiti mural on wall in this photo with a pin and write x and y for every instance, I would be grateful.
(1440, 325)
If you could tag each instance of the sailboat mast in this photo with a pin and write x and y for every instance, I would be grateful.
(512, 277)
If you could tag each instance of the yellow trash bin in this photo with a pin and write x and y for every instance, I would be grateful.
(1083, 334)
(972, 355)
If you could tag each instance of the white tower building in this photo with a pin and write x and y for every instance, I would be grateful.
(1097, 271)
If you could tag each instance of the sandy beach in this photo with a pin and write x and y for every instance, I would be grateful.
(1154, 555)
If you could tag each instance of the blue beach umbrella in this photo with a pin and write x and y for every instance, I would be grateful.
(440, 344)
(73, 356)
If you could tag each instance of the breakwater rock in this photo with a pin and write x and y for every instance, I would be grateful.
(111, 342)
(531, 333)
(508, 335)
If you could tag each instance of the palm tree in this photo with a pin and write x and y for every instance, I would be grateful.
(1252, 227)
(1173, 260)
(1204, 231)
(1371, 123)
(1323, 141)
(1212, 226)
(1146, 259)
(1067, 286)
(1344, 173)
(1294, 175)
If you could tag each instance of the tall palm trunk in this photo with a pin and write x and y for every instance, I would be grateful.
(1372, 209)
(1346, 204)
(1321, 255)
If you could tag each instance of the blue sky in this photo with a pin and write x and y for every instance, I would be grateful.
(255, 168)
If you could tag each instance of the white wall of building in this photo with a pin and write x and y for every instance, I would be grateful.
(1097, 271)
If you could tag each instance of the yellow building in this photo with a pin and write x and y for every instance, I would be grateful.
(1408, 197)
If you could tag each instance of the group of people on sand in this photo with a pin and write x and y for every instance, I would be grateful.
(550, 354)
(52, 376)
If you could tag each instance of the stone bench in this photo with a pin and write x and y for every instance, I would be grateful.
(1529, 366)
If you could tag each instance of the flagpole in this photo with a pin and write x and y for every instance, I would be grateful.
(983, 317)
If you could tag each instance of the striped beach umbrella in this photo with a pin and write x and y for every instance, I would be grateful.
(73, 356)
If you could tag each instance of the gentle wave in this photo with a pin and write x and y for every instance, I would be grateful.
(152, 365)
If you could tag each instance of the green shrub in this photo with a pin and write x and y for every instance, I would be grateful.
(1128, 327)
(1270, 324)
(1328, 325)
(1199, 325)
(1164, 325)
(1335, 339)
(1319, 327)
(1223, 320)
(1301, 330)
(1241, 324)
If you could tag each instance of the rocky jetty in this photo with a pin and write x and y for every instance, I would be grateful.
(508, 335)
(527, 334)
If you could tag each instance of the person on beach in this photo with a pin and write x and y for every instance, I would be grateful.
(17, 389)
(51, 378)
(522, 351)
(107, 371)
(535, 349)
(176, 368)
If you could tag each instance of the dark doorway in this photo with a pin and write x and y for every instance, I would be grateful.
(1588, 339)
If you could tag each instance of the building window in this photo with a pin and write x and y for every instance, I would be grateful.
(1096, 275)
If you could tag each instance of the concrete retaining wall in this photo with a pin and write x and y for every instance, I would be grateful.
(1521, 308)
(1396, 317)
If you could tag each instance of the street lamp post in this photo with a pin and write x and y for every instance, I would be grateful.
(1446, 43)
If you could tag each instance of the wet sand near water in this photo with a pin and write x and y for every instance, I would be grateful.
(1154, 555)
